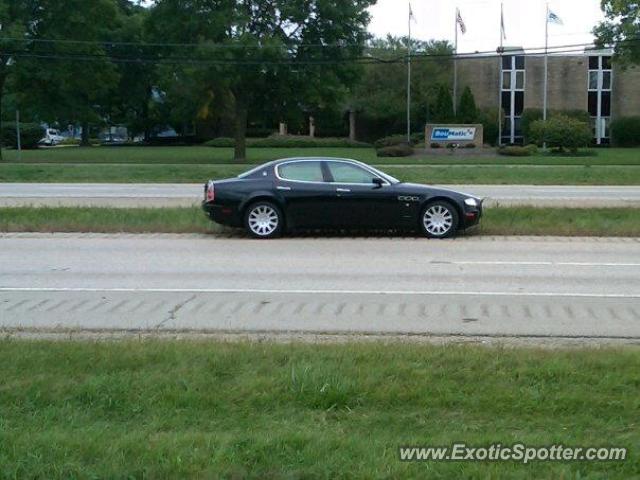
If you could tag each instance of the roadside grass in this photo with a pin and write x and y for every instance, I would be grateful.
(212, 156)
(176, 173)
(603, 222)
(222, 410)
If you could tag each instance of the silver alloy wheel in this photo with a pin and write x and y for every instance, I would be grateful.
(438, 220)
(263, 220)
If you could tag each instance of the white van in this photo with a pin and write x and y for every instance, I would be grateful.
(52, 137)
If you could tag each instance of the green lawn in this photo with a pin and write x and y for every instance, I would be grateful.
(224, 410)
(606, 222)
(175, 173)
(208, 155)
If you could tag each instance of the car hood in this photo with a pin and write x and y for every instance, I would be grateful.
(419, 189)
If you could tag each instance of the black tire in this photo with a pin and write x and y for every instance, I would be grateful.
(264, 220)
(446, 216)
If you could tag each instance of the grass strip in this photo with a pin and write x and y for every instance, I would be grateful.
(176, 173)
(604, 222)
(222, 410)
(208, 155)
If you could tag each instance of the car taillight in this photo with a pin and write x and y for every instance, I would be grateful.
(211, 192)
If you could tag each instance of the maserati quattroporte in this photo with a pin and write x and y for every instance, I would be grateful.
(328, 193)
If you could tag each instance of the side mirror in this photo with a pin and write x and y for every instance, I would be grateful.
(377, 182)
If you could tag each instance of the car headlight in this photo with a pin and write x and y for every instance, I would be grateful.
(471, 202)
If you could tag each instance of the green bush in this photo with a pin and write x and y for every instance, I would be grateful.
(625, 132)
(30, 135)
(489, 120)
(515, 151)
(562, 132)
(467, 110)
(395, 151)
(391, 141)
(277, 141)
(531, 115)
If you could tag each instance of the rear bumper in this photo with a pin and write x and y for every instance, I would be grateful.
(221, 214)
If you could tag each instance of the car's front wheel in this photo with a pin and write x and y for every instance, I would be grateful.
(264, 220)
(439, 220)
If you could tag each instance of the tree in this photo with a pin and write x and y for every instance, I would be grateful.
(621, 29)
(467, 110)
(68, 75)
(380, 96)
(15, 16)
(266, 53)
(443, 106)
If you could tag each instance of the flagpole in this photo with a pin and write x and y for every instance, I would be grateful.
(409, 81)
(455, 67)
(546, 68)
(500, 75)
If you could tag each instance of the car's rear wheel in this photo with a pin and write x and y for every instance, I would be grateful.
(263, 220)
(439, 220)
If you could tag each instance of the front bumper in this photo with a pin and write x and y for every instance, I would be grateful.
(472, 215)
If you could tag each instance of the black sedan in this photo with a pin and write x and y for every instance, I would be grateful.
(328, 193)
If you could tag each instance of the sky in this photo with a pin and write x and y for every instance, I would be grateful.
(524, 21)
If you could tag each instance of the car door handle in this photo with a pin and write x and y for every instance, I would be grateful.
(285, 189)
(343, 190)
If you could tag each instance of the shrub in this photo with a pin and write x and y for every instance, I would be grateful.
(489, 120)
(470, 146)
(391, 141)
(396, 151)
(30, 135)
(562, 132)
(289, 141)
(531, 115)
(625, 132)
(467, 110)
(515, 151)
(435, 145)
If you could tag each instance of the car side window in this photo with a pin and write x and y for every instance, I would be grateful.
(301, 172)
(349, 173)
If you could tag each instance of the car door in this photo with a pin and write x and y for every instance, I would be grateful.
(358, 201)
(302, 185)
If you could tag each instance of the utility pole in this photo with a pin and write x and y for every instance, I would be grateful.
(455, 68)
(409, 78)
(19, 142)
(546, 69)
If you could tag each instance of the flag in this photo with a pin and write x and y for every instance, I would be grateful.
(503, 30)
(463, 27)
(411, 15)
(553, 18)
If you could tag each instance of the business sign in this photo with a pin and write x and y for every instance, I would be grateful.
(445, 134)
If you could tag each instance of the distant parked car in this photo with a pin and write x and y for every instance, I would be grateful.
(51, 137)
(317, 193)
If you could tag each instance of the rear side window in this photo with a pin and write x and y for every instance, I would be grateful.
(301, 172)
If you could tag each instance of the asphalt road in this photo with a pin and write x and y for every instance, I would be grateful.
(505, 287)
(163, 195)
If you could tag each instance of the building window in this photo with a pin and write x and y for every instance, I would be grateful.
(513, 88)
(599, 97)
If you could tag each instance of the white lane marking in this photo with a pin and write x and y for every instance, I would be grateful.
(316, 292)
(536, 264)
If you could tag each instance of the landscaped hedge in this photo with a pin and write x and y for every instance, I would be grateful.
(289, 142)
(395, 151)
(30, 135)
(393, 140)
(561, 132)
(625, 132)
(531, 115)
(517, 151)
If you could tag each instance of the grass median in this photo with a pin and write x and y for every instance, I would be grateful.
(222, 410)
(605, 222)
(430, 174)
(208, 155)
